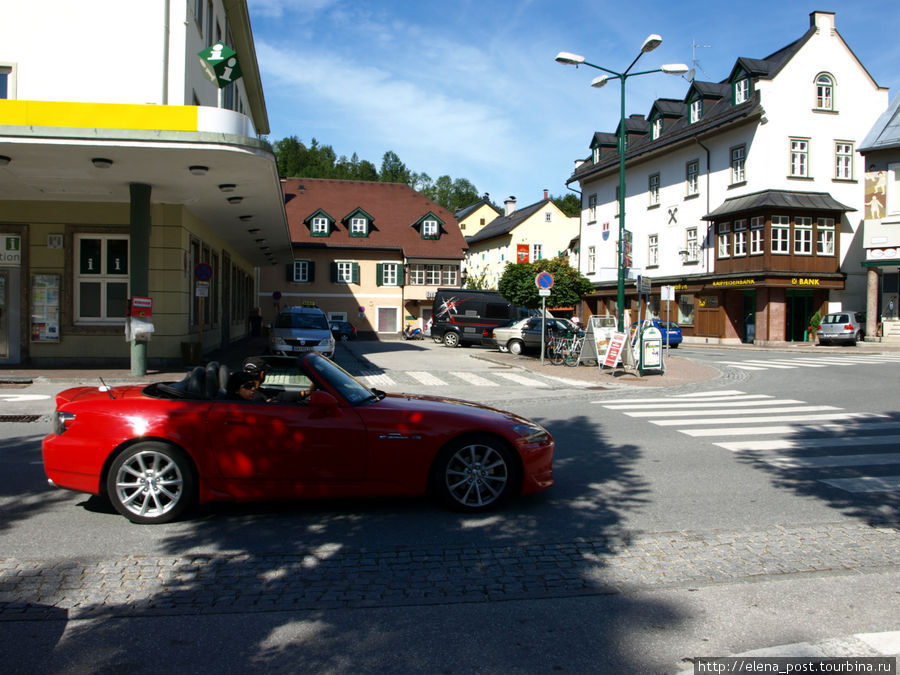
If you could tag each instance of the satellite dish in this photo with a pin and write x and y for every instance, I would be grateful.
(690, 75)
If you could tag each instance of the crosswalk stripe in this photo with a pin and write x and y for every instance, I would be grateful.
(521, 379)
(694, 407)
(701, 394)
(706, 413)
(808, 443)
(769, 418)
(834, 461)
(426, 378)
(474, 379)
(754, 364)
(680, 399)
(866, 483)
(802, 363)
(378, 380)
(735, 364)
(784, 429)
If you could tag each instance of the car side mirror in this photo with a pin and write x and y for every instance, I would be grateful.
(322, 399)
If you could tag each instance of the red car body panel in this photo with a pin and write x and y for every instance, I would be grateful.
(257, 450)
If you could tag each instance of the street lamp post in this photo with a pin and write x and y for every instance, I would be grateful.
(651, 43)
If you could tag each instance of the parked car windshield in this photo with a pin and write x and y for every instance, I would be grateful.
(297, 320)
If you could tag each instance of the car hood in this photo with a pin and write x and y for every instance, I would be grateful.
(453, 406)
(98, 393)
(312, 334)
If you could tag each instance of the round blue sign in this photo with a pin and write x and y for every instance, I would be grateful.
(276, 295)
(544, 280)
(203, 272)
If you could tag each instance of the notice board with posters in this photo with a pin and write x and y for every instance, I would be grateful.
(45, 308)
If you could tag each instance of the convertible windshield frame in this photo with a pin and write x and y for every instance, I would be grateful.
(350, 389)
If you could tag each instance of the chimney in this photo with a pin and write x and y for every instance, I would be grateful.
(509, 205)
(822, 21)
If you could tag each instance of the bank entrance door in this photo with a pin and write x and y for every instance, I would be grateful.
(799, 311)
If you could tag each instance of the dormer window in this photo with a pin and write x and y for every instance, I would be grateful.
(429, 229)
(359, 227)
(696, 110)
(595, 154)
(657, 129)
(742, 90)
(320, 227)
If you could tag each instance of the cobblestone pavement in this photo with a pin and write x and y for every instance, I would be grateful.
(332, 576)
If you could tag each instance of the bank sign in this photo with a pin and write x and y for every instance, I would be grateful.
(10, 250)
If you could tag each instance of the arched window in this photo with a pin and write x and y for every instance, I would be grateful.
(824, 92)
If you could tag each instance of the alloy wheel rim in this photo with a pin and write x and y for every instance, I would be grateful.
(149, 484)
(476, 475)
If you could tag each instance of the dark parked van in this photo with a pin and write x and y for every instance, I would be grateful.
(465, 316)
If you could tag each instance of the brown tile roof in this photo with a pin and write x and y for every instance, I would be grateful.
(394, 208)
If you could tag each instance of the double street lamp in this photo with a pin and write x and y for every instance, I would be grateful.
(649, 45)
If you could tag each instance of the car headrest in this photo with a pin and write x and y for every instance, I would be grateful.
(195, 388)
(224, 375)
(212, 379)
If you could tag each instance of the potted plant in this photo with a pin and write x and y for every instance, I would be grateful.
(814, 322)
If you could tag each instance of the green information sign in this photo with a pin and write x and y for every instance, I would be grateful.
(220, 63)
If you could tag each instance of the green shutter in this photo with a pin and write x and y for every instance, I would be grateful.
(290, 272)
(401, 279)
(355, 273)
(379, 274)
(311, 271)
(334, 272)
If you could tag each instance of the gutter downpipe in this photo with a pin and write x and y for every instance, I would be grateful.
(165, 60)
(708, 225)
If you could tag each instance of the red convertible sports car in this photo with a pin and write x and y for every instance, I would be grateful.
(155, 451)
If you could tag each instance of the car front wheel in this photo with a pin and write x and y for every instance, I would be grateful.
(515, 347)
(475, 474)
(151, 483)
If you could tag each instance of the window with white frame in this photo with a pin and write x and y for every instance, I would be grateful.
(825, 236)
(432, 275)
(781, 234)
(430, 229)
(359, 227)
(548, 216)
(692, 177)
(320, 227)
(389, 274)
(301, 272)
(653, 250)
(692, 245)
(757, 230)
(656, 131)
(742, 90)
(595, 154)
(101, 278)
(653, 189)
(824, 92)
(450, 274)
(803, 235)
(344, 272)
(592, 259)
(892, 189)
(724, 240)
(696, 110)
(740, 238)
(843, 160)
(537, 252)
(592, 208)
(617, 200)
(800, 158)
(738, 157)
(7, 82)
(417, 275)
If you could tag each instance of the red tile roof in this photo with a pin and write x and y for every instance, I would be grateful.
(394, 208)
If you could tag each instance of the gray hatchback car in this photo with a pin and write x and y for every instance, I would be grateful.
(842, 327)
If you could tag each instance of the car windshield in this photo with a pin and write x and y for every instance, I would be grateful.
(297, 320)
(341, 381)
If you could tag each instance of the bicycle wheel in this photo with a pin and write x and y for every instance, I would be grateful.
(572, 354)
(557, 352)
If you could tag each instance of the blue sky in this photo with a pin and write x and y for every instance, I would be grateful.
(470, 88)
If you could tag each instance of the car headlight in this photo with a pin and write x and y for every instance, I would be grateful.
(277, 340)
(531, 433)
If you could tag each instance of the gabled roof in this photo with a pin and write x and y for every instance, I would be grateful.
(506, 224)
(778, 199)
(394, 208)
(885, 133)
(708, 90)
(668, 107)
(603, 139)
(468, 210)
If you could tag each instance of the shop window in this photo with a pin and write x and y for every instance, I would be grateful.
(101, 279)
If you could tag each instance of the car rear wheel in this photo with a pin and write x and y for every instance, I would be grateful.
(451, 339)
(515, 347)
(151, 483)
(475, 474)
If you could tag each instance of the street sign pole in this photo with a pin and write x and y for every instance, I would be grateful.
(544, 282)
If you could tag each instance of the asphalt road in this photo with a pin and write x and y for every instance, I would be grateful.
(655, 545)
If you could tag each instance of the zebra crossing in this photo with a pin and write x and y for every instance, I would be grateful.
(824, 361)
(398, 379)
(787, 434)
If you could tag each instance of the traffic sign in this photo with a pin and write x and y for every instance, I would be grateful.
(544, 280)
(203, 272)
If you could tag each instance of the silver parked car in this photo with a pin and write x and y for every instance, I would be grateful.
(298, 330)
(525, 334)
(843, 327)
